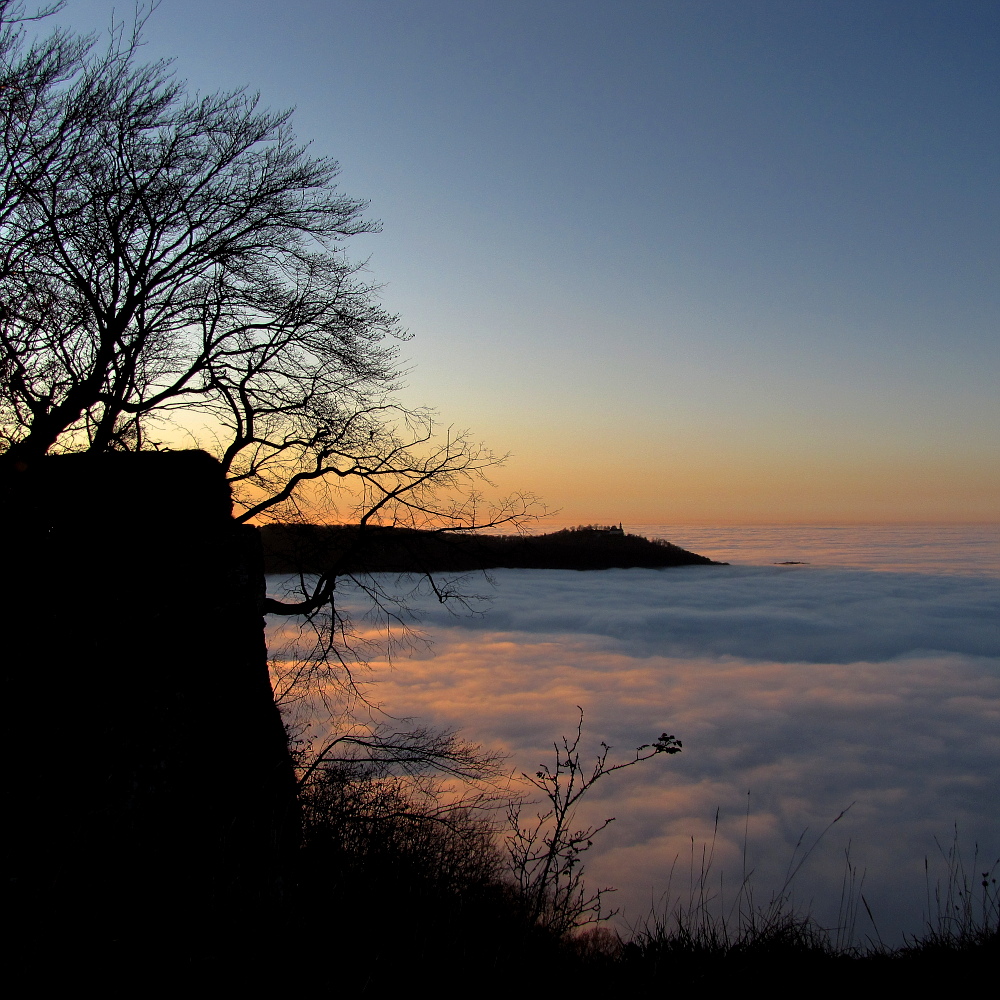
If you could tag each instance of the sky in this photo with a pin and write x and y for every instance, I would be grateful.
(718, 262)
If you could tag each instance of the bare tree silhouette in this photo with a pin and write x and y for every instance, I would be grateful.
(173, 272)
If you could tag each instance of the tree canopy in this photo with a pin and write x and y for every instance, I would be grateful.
(172, 269)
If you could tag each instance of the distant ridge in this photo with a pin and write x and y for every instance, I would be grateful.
(310, 548)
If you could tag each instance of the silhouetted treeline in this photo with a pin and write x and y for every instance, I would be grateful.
(310, 548)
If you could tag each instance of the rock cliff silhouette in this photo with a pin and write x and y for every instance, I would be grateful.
(150, 792)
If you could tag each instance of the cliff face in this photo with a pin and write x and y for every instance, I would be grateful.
(150, 791)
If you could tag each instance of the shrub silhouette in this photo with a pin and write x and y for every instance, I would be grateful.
(397, 879)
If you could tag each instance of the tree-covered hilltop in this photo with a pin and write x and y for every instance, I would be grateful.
(311, 548)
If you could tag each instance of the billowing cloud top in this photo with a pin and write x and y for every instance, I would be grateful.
(810, 688)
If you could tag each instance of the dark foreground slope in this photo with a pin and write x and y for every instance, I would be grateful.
(352, 549)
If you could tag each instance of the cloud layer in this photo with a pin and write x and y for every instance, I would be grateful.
(759, 612)
(811, 689)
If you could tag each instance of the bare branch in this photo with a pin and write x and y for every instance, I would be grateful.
(546, 852)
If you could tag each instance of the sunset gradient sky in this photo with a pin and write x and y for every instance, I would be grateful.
(722, 261)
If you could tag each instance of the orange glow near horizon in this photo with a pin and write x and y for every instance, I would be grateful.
(706, 480)
(750, 492)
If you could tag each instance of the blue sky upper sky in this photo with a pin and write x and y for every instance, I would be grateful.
(722, 261)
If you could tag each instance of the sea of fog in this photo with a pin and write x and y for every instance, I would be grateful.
(868, 678)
